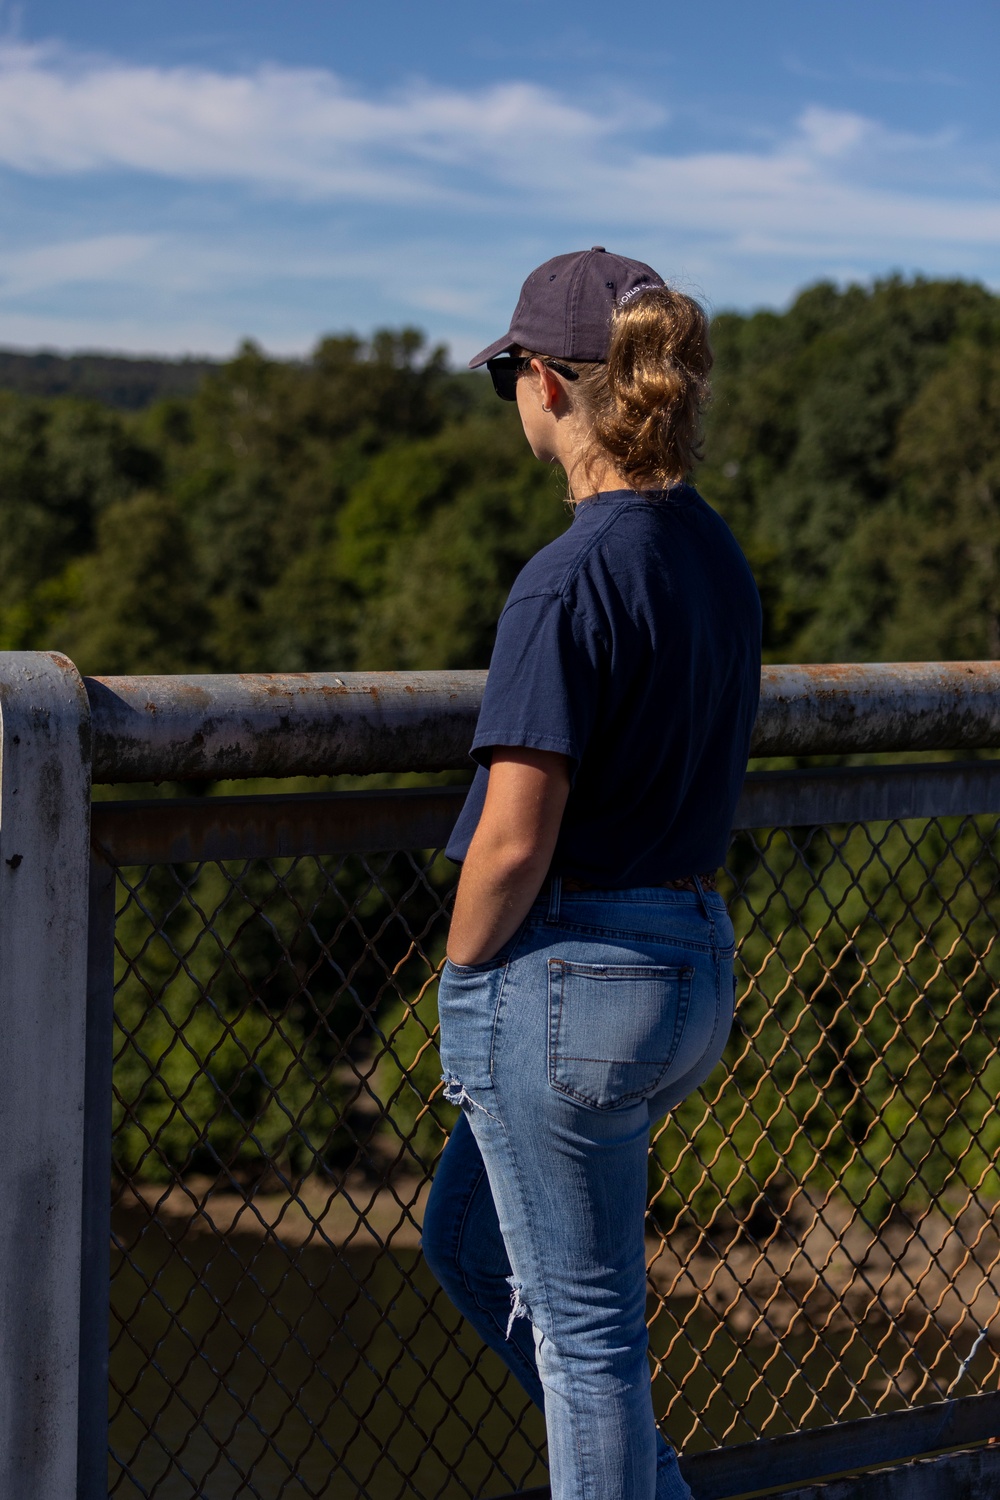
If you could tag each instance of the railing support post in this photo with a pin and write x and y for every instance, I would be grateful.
(44, 873)
(95, 1268)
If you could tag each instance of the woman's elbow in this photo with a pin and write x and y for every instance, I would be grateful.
(513, 858)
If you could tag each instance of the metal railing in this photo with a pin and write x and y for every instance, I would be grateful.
(262, 1094)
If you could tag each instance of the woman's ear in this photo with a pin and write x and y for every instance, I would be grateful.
(550, 388)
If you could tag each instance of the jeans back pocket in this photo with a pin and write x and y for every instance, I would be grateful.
(614, 1028)
(468, 996)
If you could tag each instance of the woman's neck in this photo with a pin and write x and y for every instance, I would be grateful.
(590, 474)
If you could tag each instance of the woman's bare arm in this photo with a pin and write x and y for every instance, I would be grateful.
(511, 850)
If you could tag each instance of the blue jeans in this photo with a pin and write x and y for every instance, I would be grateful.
(603, 1011)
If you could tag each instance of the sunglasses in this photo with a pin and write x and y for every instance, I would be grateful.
(505, 369)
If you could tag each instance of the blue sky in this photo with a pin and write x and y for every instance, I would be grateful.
(173, 178)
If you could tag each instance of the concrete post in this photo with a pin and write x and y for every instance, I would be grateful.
(44, 870)
(95, 1268)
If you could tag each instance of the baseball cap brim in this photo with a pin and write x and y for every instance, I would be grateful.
(499, 346)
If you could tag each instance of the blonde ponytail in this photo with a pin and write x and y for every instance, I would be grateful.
(645, 401)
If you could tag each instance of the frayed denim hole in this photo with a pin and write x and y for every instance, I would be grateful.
(455, 1092)
(518, 1307)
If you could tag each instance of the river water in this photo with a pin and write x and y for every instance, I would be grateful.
(244, 1368)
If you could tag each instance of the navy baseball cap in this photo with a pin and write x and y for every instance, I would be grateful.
(565, 306)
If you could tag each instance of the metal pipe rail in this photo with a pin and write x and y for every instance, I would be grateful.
(319, 723)
(172, 830)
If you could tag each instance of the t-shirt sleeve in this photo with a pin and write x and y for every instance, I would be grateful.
(543, 686)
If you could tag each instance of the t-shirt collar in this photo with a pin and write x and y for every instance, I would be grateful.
(604, 498)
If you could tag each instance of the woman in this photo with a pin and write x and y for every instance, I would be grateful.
(588, 986)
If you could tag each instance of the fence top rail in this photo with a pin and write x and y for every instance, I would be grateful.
(322, 723)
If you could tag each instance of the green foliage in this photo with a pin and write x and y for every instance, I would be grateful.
(367, 508)
(811, 456)
(62, 463)
(431, 541)
(132, 605)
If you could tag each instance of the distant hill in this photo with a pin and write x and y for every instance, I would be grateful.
(115, 380)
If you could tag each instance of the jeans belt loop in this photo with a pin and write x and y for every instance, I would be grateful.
(555, 898)
(699, 887)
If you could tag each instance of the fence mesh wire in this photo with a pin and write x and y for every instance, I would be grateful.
(822, 1232)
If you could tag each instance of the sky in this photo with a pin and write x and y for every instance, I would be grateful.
(176, 178)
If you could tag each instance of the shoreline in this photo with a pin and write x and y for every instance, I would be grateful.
(830, 1271)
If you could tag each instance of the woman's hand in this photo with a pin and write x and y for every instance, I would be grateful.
(511, 851)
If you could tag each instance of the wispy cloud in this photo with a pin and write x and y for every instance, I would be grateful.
(292, 132)
(427, 195)
(100, 258)
(922, 78)
(873, 73)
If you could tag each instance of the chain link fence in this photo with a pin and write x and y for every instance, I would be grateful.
(822, 1229)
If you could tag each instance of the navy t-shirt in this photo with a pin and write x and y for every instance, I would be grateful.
(630, 644)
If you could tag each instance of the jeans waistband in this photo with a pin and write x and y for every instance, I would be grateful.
(558, 886)
(709, 881)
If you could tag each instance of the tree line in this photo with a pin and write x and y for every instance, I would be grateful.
(368, 507)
